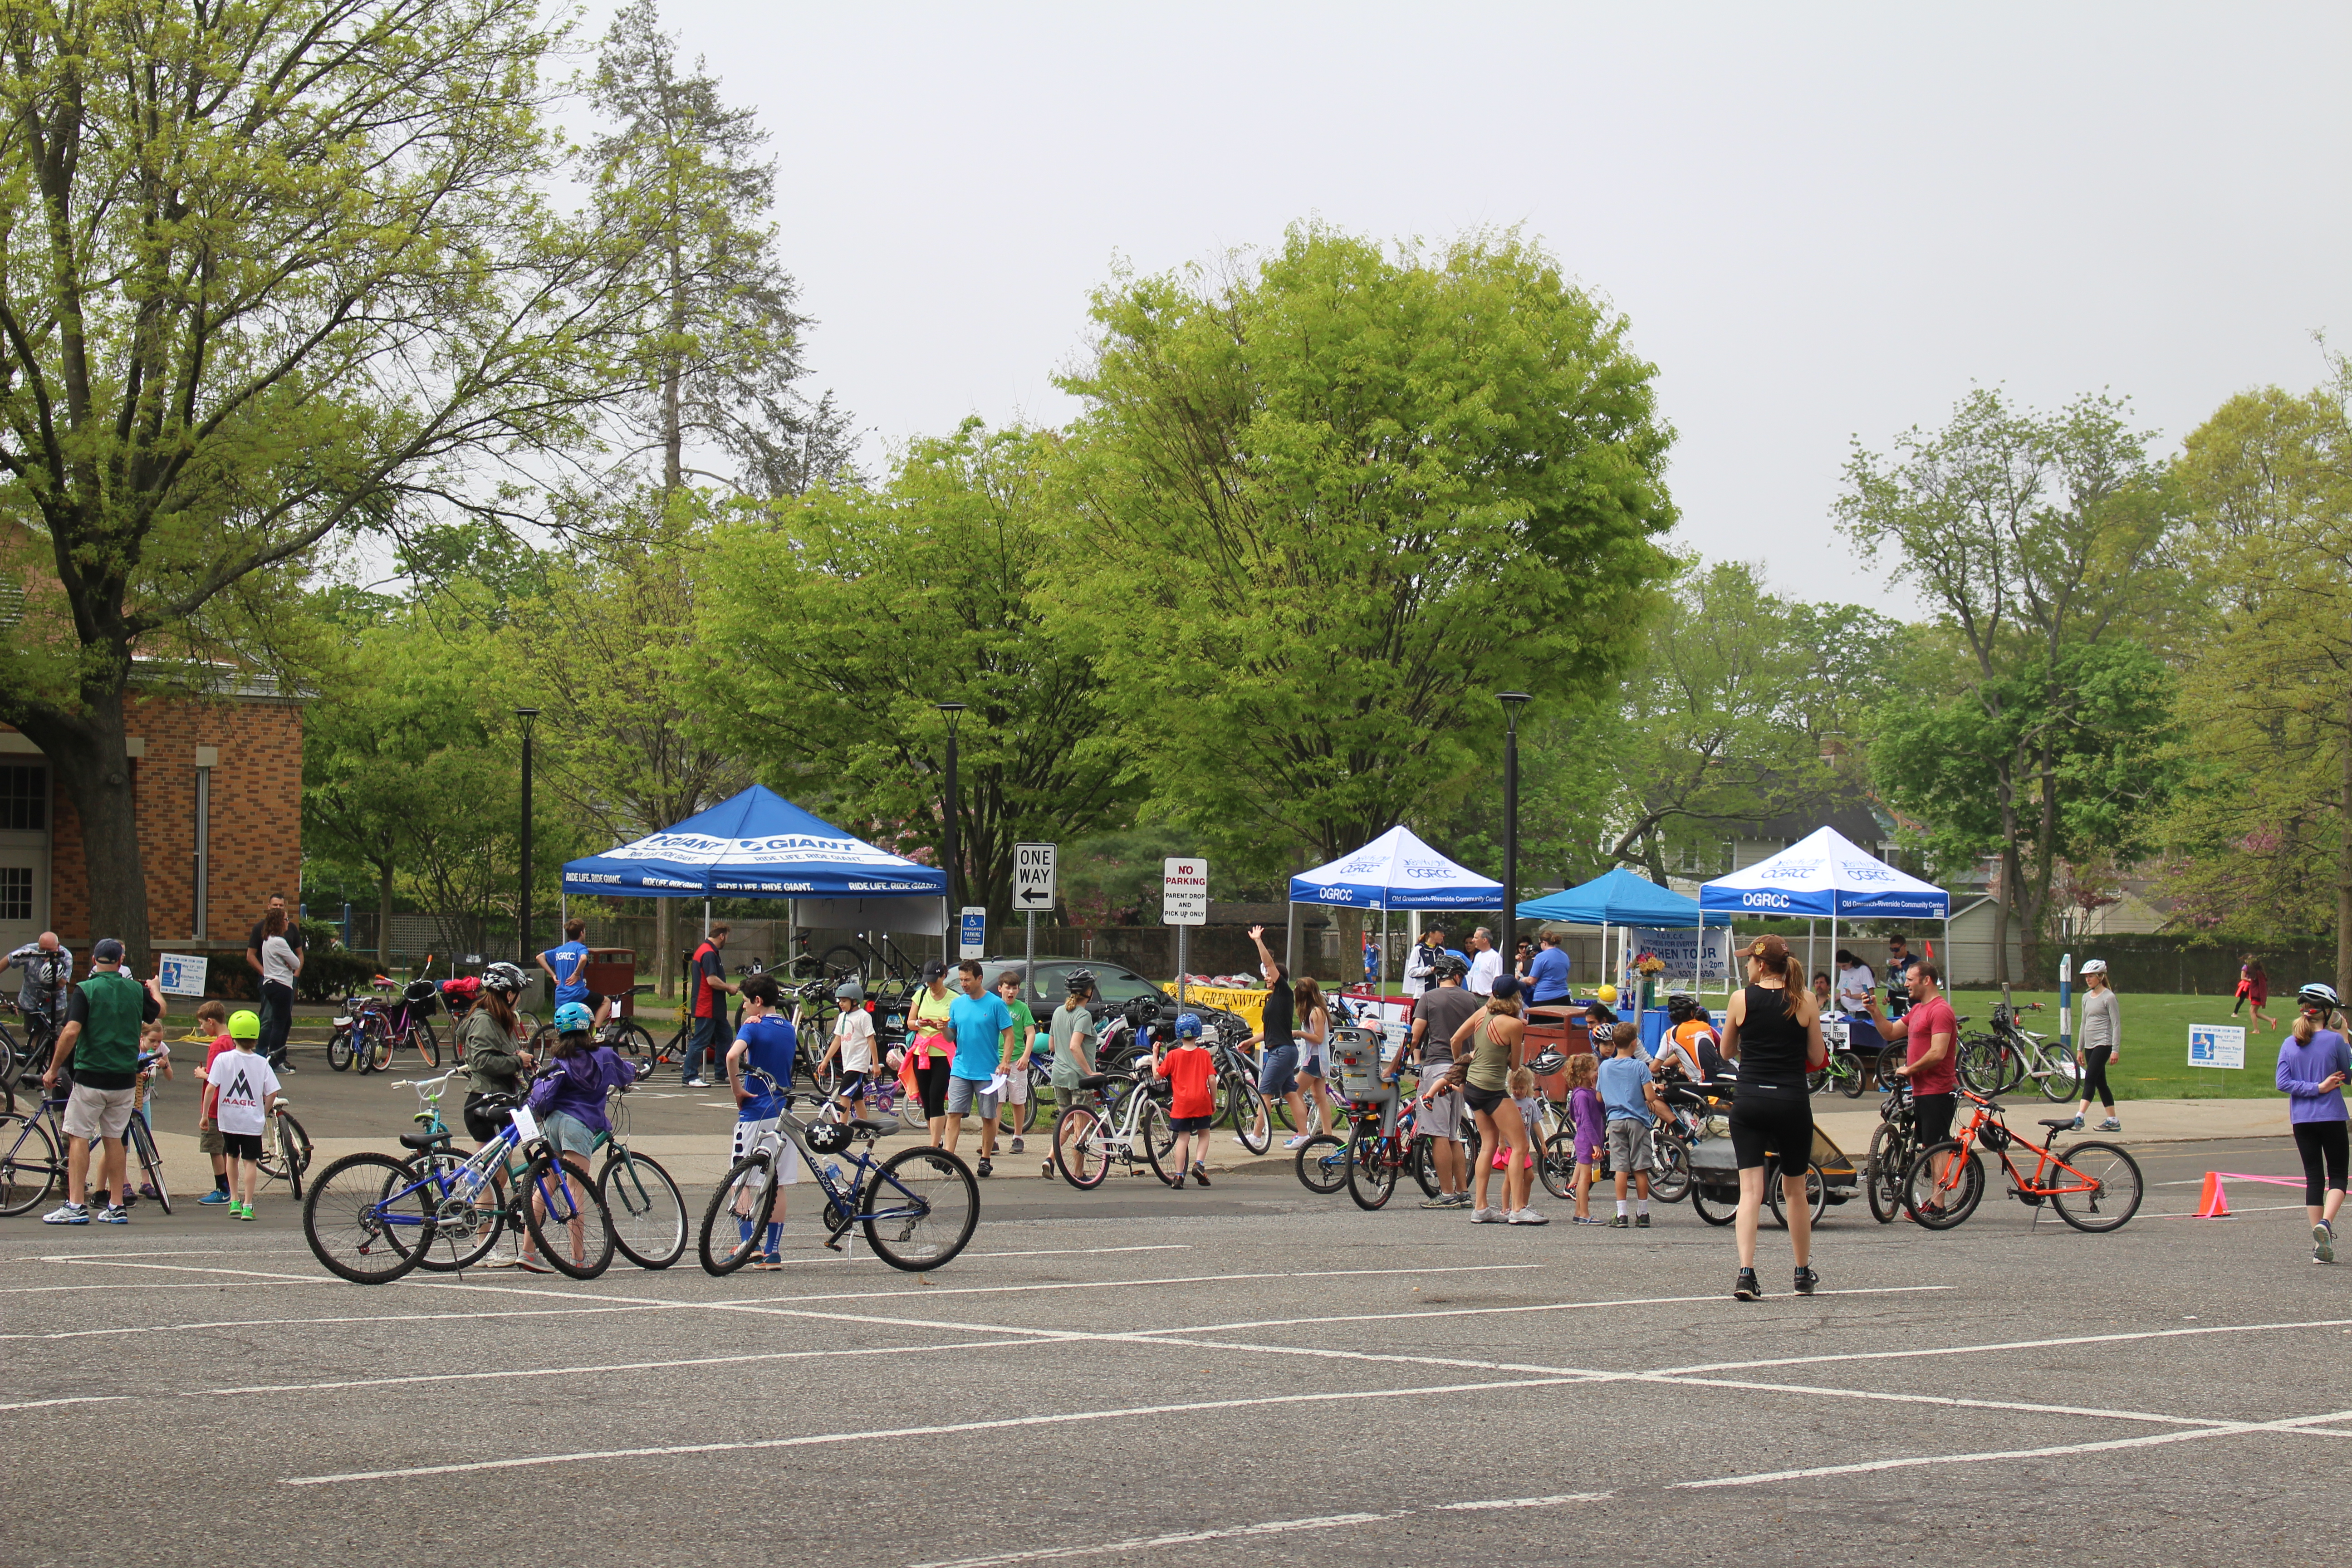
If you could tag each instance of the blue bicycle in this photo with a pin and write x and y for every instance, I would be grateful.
(919, 1207)
(371, 1218)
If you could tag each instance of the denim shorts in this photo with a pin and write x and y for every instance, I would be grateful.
(567, 1135)
(1277, 1073)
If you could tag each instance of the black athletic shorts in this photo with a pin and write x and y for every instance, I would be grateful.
(482, 1126)
(1484, 1100)
(1783, 1125)
(1931, 1115)
(242, 1146)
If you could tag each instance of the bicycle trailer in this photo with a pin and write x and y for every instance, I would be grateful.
(1714, 1169)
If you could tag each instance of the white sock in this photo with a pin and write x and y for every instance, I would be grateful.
(1642, 1207)
(1621, 1208)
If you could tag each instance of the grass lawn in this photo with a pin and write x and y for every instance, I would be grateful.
(2155, 1061)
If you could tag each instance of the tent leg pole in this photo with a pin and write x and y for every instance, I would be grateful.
(706, 920)
(1290, 939)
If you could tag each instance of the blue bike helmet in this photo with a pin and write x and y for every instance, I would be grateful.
(1187, 1026)
(574, 1018)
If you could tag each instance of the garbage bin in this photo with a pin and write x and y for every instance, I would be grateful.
(613, 972)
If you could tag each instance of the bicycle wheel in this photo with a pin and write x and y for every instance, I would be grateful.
(151, 1164)
(2058, 1084)
(647, 1212)
(1424, 1166)
(1939, 1204)
(843, 960)
(923, 1204)
(635, 1041)
(376, 1049)
(1817, 1081)
(464, 1226)
(2117, 1197)
(1710, 1208)
(30, 1166)
(338, 1049)
(1883, 1171)
(1158, 1140)
(734, 1227)
(1890, 1059)
(1849, 1078)
(1078, 1152)
(559, 1198)
(1322, 1165)
(1670, 1169)
(427, 1043)
(1817, 1195)
(353, 1208)
(1371, 1168)
(286, 1153)
(1247, 1112)
(1557, 1166)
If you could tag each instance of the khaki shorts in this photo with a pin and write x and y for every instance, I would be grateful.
(1016, 1085)
(1629, 1145)
(98, 1113)
(1442, 1117)
(211, 1141)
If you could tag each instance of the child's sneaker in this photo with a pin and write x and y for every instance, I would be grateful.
(1179, 1183)
(1806, 1279)
(1017, 1146)
(1746, 1287)
(1620, 1222)
(2076, 1126)
(112, 1215)
(245, 1211)
(1640, 1222)
(1200, 1173)
(1297, 1140)
(985, 1168)
(214, 1197)
(2323, 1243)
(1486, 1216)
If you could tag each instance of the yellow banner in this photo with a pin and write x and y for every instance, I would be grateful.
(1249, 1004)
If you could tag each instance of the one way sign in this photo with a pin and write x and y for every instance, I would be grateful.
(1032, 877)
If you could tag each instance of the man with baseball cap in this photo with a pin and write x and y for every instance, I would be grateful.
(101, 1038)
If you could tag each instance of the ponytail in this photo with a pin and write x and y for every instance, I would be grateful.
(1771, 956)
(2301, 1030)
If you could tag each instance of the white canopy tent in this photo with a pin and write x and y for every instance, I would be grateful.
(1394, 871)
(1826, 874)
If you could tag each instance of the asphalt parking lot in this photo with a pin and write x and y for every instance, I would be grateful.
(1246, 1374)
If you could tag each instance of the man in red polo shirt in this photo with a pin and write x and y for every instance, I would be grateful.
(706, 978)
(1931, 1038)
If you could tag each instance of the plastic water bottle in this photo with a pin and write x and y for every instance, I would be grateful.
(832, 1171)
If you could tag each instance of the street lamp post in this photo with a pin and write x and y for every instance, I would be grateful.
(1512, 703)
(954, 809)
(522, 902)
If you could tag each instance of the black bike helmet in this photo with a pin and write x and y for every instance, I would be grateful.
(1547, 1064)
(503, 978)
(1449, 968)
(829, 1137)
(1681, 1008)
(1079, 982)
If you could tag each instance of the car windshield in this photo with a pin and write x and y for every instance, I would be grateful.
(1112, 983)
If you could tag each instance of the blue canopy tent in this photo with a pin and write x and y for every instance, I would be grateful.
(755, 845)
(1394, 871)
(1828, 874)
(1619, 901)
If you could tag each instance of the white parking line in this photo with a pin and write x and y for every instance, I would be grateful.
(1271, 1527)
(2001, 1345)
(77, 1399)
(309, 1322)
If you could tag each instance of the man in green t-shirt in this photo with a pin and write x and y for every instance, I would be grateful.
(101, 1038)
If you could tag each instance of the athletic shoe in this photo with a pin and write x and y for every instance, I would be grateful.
(67, 1214)
(1200, 1173)
(1016, 1146)
(1746, 1289)
(2077, 1126)
(1443, 1200)
(1640, 1222)
(1296, 1142)
(1529, 1217)
(1806, 1280)
(500, 1260)
(985, 1168)
(696, 1083)
(1486, 1216)
(112, 1215)
(147, 1190)
(2323, 1243)
(1458, 1200)
(1620, 1222)
(283, 1067)
(2111, 1125)
(766, 1260)
(1587, 1219)
(245, 1213)
(1179, 1183)
(214, 1197)
(532, 1266)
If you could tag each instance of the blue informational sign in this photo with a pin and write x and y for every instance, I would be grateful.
(971, 931)
(181, 974)
(2216, 1045)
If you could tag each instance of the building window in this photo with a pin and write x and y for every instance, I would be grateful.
(15, 892)
(24, 799)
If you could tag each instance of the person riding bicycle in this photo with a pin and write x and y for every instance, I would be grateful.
(496, 1059)
(47, 966)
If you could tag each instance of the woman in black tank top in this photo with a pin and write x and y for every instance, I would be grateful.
(1774, 1032)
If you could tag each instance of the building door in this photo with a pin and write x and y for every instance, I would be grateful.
(24, 852)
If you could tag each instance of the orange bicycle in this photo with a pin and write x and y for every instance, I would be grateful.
(2093, 1186)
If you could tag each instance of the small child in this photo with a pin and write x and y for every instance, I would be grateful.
(1591, 1120)
(853, 1042)
(154, 1056)
(765, 1040)
(1191, 1108)
(240, 1095)
(212, 1020)
(1521, 1083)
(1632, 1102)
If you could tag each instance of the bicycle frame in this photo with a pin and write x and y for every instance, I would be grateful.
(847, 1207)
(1987, 1114)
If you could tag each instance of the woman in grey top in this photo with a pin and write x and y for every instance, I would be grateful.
(2100, 1043)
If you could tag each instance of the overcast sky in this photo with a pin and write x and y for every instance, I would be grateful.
(1822, 222)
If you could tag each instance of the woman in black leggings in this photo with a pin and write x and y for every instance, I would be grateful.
(1773, 1030)
(2313, 1064)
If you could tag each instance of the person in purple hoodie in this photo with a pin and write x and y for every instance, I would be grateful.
(568, 1098)
(2313, 1064)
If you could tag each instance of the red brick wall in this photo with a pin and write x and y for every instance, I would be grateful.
(257, 819)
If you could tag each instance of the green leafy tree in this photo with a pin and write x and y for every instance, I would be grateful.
(2037, 538)
(270, 273)
(1331, 503)
(833, 626)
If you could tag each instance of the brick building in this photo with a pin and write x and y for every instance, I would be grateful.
(217, 786)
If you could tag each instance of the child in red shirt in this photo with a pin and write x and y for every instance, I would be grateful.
(212, 1018)
(1187, 1066)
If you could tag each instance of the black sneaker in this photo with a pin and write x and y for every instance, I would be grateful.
(1620, 1222)
(1746, 1289)
(1200, 1173)
(1179, 1183)
(1806, 1280)
(1640, 1222)
(985, 1168)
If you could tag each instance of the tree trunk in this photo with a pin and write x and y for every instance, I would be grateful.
(93, 771)
(383, 917)
(2009, 879)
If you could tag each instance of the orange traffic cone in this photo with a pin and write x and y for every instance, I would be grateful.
(2214, 1203)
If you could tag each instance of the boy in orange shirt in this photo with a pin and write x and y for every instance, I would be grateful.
(1187, 1066)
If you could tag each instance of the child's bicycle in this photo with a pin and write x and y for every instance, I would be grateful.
(919, 1207)
(2094, 1186)
(1129, 1127)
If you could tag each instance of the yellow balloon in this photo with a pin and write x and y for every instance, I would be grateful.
(1609, 995)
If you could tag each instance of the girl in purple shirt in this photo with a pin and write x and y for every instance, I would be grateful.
(2313, 1064)
(1591, 1120)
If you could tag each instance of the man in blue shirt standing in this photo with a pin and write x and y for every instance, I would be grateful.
(983, 1027)
(1549, 974)
(566, 968)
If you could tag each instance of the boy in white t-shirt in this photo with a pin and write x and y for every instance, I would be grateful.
(853, 1042)
(240, 1093)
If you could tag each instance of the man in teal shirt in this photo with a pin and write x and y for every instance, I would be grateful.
(983, 1027)
(101, 1038)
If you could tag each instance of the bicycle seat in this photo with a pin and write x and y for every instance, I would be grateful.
(422, 1140)
(2057, 1123)
(1094, 1080)
(861, 1127)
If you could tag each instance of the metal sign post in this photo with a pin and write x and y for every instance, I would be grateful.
(1183, 903)
(1033, 890)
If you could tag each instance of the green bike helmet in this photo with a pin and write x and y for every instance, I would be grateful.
(244, 1024)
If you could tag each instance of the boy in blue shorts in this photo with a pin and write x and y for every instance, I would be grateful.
(766, 1041)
